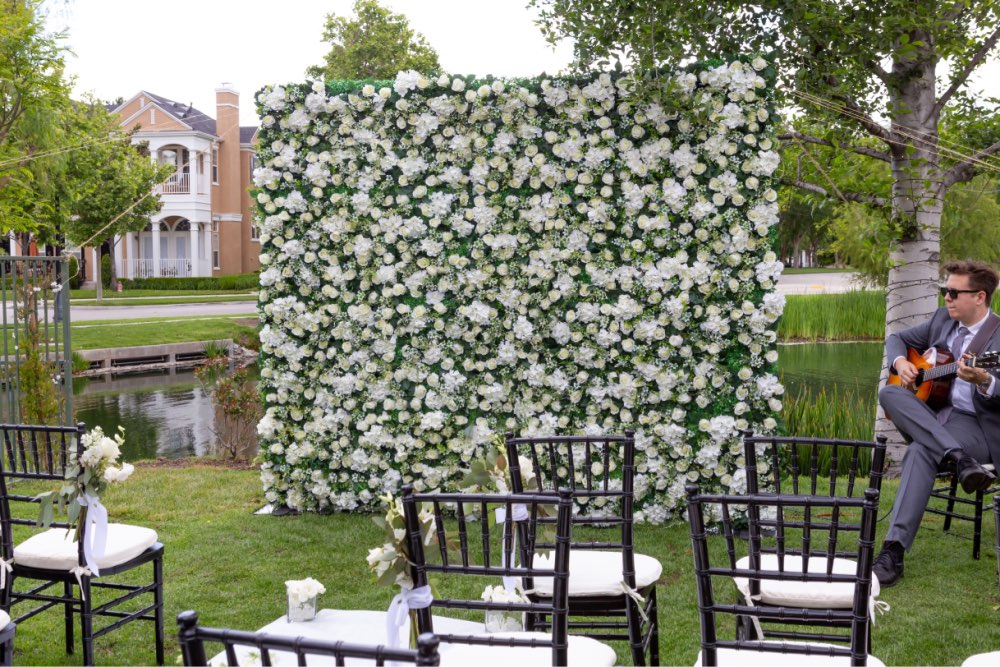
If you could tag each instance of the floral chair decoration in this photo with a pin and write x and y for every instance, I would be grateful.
(80, 557)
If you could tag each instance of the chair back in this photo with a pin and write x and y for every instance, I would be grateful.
(789, 542)
(463, 543)
(600, 473)
(822, 467)
(192, 638)
(30, 454)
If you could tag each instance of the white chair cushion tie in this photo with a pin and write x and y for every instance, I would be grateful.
(399, 609)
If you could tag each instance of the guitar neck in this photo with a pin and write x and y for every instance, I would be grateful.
(941, 372)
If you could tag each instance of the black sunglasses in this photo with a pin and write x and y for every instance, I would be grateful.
(953, 293)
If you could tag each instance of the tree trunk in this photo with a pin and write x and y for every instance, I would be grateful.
(917, 203)
(114, 267)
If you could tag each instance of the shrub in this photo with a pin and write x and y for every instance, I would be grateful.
(106, 271)
(239, 282)
(75, 279)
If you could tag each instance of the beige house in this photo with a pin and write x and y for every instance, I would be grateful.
(204, 227)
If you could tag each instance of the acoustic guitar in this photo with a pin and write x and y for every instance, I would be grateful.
(936, 369)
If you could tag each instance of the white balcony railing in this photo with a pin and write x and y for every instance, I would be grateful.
(169, 268)
(177, 184)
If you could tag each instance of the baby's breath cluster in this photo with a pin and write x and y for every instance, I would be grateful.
(447, 258)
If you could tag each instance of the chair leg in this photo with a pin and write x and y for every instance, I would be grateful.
(952, 494)
(86, 621)
(635, 631)
(654, 636)
(977, 522)
(158, 612)
(68, 615)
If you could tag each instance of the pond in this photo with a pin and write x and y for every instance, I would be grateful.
(170, 415)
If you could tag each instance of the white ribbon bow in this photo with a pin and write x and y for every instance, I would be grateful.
(95, 541)
(519, 512)
(79, 572)
(877, 605)
(5, 567)
(640, 601)
(399, 609)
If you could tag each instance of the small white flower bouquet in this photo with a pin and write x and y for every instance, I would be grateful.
(302, 594)
(88, 477)
(503, 621)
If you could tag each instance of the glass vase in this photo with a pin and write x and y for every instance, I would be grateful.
(300, 612)
(504, 621)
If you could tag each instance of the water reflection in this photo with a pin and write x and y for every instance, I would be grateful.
(852, 367)
(171, 415)
(164, 415)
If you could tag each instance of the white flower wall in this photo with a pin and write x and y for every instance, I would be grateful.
(446, 259)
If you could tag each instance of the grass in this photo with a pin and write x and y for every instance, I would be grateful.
(165, 301)
(230, 566)
(128, 333)
(86, 294)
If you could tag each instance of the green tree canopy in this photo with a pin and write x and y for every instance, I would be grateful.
(373, 44)
(33, 93)
(876, 78)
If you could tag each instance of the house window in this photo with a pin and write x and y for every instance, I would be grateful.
(215, 165)
(152, 116)
(253, 165)
(254, 232)
(215, 244)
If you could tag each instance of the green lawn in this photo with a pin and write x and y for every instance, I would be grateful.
(157, 331)
(230, 566)
(165, 301)
(86, 294)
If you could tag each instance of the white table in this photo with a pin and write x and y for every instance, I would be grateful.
(358, 626)
(362, 626)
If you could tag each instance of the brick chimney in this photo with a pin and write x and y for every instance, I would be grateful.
(227, 195)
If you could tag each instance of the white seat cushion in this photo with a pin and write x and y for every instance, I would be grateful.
(809, 595)
(748, 658)
(583, 651)
(4, 619)
(983, 660)
(55, 549)
(597, 573)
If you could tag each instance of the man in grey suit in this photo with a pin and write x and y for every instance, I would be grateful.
(966, 432)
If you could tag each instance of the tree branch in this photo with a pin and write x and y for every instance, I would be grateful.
(963, 76)
(860, 150)
(878, 71)
(966, 169)
(858, 197)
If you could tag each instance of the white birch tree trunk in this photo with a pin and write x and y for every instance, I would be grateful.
(917, 203)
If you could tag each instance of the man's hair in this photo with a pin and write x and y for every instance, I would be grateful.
(981, 275)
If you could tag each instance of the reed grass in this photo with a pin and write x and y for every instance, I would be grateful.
(829, 414)
(848, 316)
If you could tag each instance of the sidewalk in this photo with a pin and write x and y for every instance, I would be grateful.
(818, 283)
(806, 283)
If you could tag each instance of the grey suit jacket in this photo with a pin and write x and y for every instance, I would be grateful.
(934, 333)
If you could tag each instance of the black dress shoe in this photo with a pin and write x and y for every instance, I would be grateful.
(888, 568)
(972, 476)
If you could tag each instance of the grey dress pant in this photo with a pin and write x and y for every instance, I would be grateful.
(930, 441)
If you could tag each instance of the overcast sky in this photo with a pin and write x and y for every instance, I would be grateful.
(184, 49)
